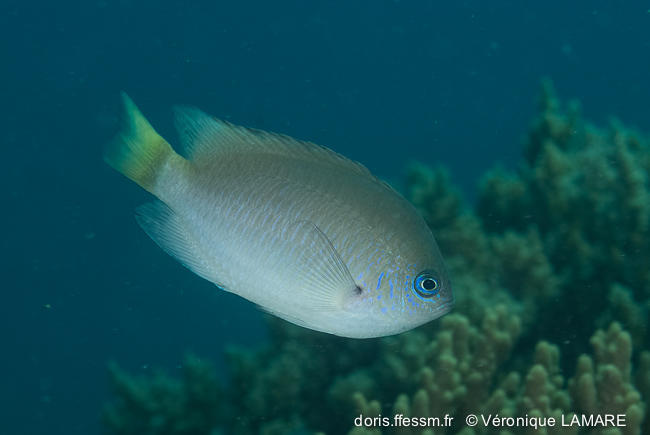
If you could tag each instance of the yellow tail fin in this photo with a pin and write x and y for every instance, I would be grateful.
(137, 151)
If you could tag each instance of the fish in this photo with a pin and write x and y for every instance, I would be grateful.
(301, 231)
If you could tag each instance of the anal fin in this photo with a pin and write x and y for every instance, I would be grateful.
(167, 229)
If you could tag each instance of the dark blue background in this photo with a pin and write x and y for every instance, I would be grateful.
(384, 82)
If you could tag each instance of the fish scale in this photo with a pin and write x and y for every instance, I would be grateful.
(294, 227)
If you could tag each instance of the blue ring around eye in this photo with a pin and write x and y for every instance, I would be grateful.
(426, 284)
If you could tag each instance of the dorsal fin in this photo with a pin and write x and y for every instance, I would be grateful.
(203, 136)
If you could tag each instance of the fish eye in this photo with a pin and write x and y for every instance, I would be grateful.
(426, 284)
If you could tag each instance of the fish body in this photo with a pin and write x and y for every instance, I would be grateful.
(294, 227)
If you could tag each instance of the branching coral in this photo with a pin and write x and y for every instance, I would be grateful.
(585, 192)
(555, 251)
(459, 366)
(163, 405)
(602, 385)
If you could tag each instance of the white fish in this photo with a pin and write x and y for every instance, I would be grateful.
(294, 227)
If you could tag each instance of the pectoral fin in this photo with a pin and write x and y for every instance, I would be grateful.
(319, 271)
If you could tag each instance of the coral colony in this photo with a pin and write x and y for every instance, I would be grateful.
(549, 335)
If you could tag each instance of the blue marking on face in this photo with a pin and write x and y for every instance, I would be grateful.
(379, 280)
(383, 310)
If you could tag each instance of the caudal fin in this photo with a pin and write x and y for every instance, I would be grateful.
(138, 151)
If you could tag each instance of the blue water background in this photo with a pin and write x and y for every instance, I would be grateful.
(384, 82)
